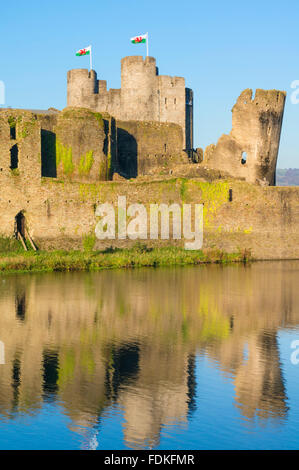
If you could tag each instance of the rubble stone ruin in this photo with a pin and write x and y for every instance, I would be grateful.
(250, 150)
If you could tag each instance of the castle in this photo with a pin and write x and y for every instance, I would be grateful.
(145, 128)
(144, 95)
(56, 166)
(249, 152)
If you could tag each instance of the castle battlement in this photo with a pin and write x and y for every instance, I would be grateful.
(138, 59)
(171, 81)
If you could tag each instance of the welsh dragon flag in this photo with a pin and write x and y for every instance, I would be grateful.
(84, 51)
(139, 39)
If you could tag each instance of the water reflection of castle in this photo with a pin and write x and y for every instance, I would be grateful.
(131, 337)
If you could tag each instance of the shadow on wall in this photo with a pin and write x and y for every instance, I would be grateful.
(14, 157)
(48, 154)
(20, 224)
(127, 153)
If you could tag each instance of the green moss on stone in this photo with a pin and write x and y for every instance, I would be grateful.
(86, 162)
(12, 121)
(183, 189)
(99, 118)
(213, 196)
(64, 156)
(26, 128)
(82, 113)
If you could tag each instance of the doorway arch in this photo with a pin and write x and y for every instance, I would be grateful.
(20, 223)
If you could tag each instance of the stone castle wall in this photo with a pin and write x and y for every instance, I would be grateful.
(80, 145)
(61, 214)
(85, 145)
(20, 147)
(146, 146)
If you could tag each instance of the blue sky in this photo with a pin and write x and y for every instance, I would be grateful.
(220, 47)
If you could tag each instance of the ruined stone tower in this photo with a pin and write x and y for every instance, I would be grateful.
(250, 150)
(144, 95)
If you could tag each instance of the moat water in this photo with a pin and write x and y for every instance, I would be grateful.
(181, 358)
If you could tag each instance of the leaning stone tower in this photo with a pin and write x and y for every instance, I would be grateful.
(250, 151)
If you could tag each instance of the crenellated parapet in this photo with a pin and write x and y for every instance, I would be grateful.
(81, 86)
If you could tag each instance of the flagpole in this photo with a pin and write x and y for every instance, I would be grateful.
(147, 44)
(90, 57)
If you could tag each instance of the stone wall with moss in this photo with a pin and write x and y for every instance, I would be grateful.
(82, 145)
(60, 211)
(237, 215)
(20, 148)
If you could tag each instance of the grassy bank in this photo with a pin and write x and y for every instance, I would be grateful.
(140, 255)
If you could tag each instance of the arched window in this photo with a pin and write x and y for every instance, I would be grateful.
(244, 158)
